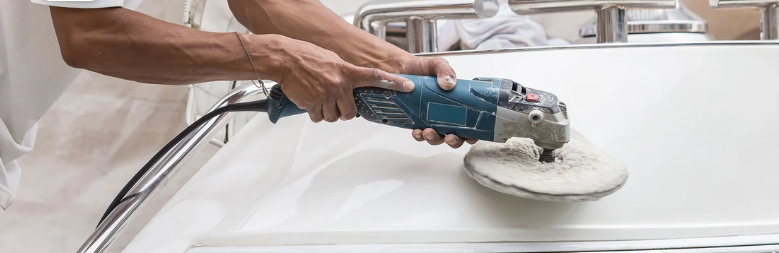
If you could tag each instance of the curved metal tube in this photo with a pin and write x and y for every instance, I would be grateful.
(661, 26)
(769, 16)
(611, 22)
(388, 11)
(769, 22)
(193, 13)
(420, 17)
(159, 175)
(740, 3)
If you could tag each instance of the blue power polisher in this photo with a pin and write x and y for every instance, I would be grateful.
(488, 109)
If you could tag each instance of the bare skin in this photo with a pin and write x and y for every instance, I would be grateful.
(316, 23)
(318, 77)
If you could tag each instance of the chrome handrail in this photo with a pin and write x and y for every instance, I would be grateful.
(611, 22)
(193, 13)
(769, 16)
(420, 17)
(159, 175)
(678, 20)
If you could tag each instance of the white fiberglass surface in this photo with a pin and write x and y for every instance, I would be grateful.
(695, 125)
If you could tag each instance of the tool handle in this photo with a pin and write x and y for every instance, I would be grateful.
(467, 111)
(280, 106)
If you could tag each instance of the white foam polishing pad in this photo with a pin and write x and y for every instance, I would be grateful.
(581, 172)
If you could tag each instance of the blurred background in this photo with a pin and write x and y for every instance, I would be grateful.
(104, 129)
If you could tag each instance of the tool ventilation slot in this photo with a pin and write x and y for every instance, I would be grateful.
(388, 111)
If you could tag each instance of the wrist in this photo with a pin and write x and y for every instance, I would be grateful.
(269, 52)
(367, 50)
(393, 63)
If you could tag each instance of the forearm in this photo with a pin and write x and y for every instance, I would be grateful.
(311, 21)
(129, 45)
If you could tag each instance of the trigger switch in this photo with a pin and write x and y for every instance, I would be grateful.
(533, 98)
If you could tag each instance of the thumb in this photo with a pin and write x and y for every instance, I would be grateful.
(445, 73)
(368, 77)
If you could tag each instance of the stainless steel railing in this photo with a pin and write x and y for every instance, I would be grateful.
(769, 16)
(655, 21)
(420, 18)
(612, 26)
(160, 173)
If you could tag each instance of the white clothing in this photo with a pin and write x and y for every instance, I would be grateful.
(505, 30)
(32, 77)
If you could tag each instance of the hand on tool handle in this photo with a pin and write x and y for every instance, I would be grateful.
(315, 23)
(320, 82)
(447, 78)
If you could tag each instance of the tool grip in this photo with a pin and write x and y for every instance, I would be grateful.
(280, 106)
(467, 111)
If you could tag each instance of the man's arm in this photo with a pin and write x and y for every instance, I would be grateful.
(129, 45)
(310, 20)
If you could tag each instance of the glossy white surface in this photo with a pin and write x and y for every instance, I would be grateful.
(695, 125)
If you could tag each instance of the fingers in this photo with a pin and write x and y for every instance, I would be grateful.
(367, 77)
(346, 107)
(445, 73)
(343, 108)
(433, 138)
(330, 112)
(417, 134)
(453, 141)
(315, 113)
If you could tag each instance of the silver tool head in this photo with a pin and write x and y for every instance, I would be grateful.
(529, 113)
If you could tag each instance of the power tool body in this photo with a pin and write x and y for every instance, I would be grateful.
(488, 109)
